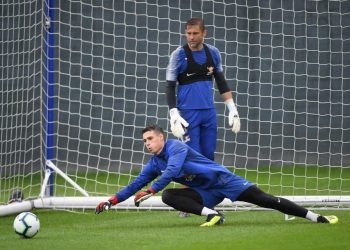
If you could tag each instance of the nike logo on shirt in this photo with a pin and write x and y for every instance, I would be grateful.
(190, 74)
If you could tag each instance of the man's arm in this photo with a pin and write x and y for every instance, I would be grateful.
(233, 117)
(177, 155)
(226, 94)
(222, 83)
(146, 176)
(172, 72)
(170, 94)
(177, 123)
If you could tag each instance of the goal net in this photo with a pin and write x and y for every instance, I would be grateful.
(287, 63)
(20, 98)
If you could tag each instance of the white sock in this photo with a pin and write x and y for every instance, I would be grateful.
(206, 211)
(312, 216)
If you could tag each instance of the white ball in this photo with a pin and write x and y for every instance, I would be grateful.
(26, 225)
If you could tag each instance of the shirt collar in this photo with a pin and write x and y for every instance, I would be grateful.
(162, 153)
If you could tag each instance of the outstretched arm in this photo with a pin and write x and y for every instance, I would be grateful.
(177, 155)
(146, 176)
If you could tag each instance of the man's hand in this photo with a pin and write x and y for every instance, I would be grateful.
(233, 117)
(106, 205)
(177, 123)
(234, 121)
(143, 195)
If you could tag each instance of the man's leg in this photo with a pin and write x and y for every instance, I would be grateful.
(193, 130)
(258, 197)
(183, 199)
(208, 133)
(190, 201)
(193, 142)
(192, 138)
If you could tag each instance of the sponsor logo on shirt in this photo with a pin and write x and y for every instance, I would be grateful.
(210, 71)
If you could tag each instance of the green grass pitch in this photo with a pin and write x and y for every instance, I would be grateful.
(165, 230)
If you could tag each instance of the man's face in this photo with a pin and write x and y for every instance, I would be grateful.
(154, 141)
(195, 37)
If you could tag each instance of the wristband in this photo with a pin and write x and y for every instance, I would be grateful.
(231, 105)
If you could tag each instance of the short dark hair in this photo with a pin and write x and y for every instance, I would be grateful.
(196, 21)
(155, 128)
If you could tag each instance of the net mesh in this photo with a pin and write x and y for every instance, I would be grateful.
(287, 64)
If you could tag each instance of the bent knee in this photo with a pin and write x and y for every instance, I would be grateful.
(167, 196)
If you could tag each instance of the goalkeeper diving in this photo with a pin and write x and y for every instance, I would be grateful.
(208, 183)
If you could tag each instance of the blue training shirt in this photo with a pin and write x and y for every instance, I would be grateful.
(197, 95)
(180, 163)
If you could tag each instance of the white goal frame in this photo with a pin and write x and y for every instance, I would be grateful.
(153, 203)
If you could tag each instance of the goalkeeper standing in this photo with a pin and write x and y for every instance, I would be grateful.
(208, 183)
(192, 113)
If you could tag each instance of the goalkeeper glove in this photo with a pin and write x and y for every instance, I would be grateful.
(106, 205)
(177, 123)
(143, 195)
(233, 117)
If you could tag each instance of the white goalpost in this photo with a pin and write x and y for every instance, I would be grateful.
(78, 143)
